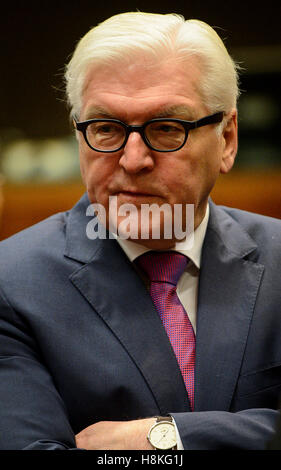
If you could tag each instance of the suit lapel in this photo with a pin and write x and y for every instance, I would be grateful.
(228, 287)
(110, 284)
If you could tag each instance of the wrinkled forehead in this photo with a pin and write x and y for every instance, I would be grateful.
(146, 71)
(143, 85)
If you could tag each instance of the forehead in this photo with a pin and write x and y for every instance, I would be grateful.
(140, 91)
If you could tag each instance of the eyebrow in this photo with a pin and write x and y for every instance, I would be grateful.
(181, 111)
(98, 111)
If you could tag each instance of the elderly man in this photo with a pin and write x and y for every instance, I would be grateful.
(133, 340)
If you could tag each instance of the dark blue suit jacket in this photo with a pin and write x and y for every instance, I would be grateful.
(80, 340)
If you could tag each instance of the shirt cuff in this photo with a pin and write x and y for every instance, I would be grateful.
(179, 442)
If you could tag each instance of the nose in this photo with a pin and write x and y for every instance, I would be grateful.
(136, 155)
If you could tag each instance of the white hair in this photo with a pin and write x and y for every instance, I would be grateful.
(124, 38)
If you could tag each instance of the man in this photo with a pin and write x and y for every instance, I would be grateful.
(87, 359)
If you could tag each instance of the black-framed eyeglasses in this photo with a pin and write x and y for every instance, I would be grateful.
(160, 134)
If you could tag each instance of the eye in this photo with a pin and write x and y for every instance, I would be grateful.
(166, 128)
(105, 129)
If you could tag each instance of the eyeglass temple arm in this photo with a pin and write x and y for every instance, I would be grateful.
(212, 119)
(75, 122)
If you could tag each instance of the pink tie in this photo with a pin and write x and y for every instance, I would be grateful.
(164, 270)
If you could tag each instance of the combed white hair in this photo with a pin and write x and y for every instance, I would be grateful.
(124, 38)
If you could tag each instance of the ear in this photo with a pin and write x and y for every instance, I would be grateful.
(230, 142)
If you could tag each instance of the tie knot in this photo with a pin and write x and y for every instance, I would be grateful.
(165, 266)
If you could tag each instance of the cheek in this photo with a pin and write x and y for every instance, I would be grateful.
(207, 153)
(192, 174)
(179, 172)
(96, 174)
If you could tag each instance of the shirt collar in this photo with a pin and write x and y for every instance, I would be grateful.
(191, 250)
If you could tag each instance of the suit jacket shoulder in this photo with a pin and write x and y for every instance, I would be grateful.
(259, 227)
(234, 227)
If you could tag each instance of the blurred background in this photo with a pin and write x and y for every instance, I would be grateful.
(39, 168)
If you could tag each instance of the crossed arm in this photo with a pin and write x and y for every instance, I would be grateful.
(37, 418)
(33, 414)
(206, 430)
(116, 435)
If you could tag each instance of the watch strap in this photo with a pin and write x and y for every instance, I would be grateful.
(164, 418)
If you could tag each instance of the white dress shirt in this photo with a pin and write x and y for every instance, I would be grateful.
(187, 288)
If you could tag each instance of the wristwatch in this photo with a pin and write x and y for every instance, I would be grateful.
(162, 434)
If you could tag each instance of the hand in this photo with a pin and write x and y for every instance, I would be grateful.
(116, 435)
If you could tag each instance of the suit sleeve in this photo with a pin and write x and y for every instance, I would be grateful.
(221, 430)
(32, 413)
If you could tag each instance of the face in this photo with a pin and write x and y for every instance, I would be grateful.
(136, 174)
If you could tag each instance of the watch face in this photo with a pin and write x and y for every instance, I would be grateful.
(163, 436)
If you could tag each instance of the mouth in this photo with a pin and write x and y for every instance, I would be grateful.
(134, 194)
(137, 198)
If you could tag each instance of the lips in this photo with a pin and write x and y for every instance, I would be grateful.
(137, 197)
(135, 193)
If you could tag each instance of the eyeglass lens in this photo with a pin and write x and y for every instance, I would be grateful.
(164, 135)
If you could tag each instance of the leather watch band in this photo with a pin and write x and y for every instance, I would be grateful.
(164, 418)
